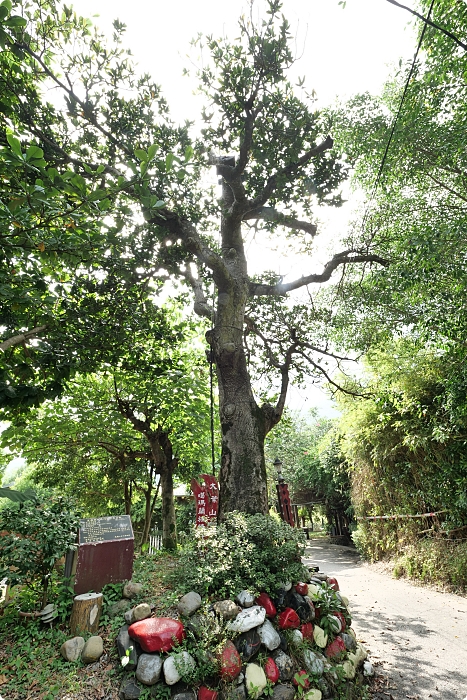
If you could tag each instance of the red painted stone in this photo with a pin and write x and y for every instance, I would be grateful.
(340, 616)
(265, 601)
(302, 588)
(230, 662)
(289, 620)
(157, 633)
(305, 683)
(333, 583)
(206, 693)
(335, 649)
(307, 630)
(271, 671)
(317, 613)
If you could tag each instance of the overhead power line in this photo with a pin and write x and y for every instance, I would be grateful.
(396, 118)
(427, 20)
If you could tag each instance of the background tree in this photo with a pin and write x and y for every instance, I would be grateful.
(271, 151)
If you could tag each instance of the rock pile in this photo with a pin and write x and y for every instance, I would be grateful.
(297, 643)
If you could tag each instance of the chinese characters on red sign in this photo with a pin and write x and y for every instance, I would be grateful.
(206, 499)
(285, 504)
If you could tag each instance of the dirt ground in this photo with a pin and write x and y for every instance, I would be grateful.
(416, 636)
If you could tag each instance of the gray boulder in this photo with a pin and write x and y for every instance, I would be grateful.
(129, 690)
(92, 650)
(285, 665)
(149, 668)
(132, 589)
(72, 648)
(189, 603)
(283, 692)
(126, 649)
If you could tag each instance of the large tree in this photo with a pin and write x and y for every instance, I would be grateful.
(276, 163)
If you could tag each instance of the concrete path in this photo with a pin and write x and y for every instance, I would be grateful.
(416, 636)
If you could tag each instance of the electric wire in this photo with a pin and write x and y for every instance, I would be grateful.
(432, 24)
(396, 118)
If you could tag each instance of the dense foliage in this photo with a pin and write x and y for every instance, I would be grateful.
(252, 552)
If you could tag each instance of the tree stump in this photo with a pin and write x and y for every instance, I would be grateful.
(86, 613)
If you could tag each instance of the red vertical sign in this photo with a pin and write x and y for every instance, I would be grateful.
(285, 504)
(206, 499)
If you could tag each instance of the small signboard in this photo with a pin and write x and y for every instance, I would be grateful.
(285, 505)
(105, 552)
(206, 499)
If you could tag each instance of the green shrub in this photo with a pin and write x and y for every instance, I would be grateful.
(254, 552)
(34, 536)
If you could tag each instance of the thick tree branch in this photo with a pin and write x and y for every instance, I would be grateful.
(346, 257)
(201, 306)
(289, 170)
(22, 338)
(271, 214)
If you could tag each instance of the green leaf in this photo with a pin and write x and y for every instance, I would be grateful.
(16, 496)
(141, 155)
(7, 4)
(34, 152)
(188, 153)
(16, 22)
(152, 150)
(15, 144)
(4, 12)
(169, 159)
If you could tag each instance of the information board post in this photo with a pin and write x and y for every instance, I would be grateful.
(105, 552)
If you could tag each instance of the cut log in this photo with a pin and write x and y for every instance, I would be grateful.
(86, 613)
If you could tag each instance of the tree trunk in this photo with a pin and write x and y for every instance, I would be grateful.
(86, 613)
(169, 525)
(243, 481)
(127, 498)
(147, 514)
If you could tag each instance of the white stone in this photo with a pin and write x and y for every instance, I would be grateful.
(335, 624)
(255, 680)
(320, 637)
(313, 591)
(247, 619)
(349, 669)
(189, 603)
(296, 637)
(368, 669)
(245, 599)
(149, 668)
(313, 663)
(177, 664)
(345, 600)
(269, 636)
(314, 694)
(286, 586)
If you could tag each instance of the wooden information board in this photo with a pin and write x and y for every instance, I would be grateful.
(105, 552)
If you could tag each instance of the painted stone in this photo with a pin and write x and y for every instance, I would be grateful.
(296, 637)
(314, 663)
(284, 645)
(307, 630)
(245, 599)
(247, 619)
(310, 604)
(72, 648)
(283, 692)
(302, 588)
(230, 662)
(335, 649)
(334, 624)
(333, 583)
(271, 671)
(349, 669)
(186, 695)
(141, 612)
(265, 601)
(269, 635)
(304, 683)
(284, 663)
(255, 680)
(298, 603)
(205, 693)
(248, 644)
(189, 603)
(368, 669)
(149, 668)
(174, 665)
(320, 637)
(314, 694)
(288, 619)
(227, 609)
(340, 616)
(126, 649)
(157, 633)
(280, 598)
(349, 641)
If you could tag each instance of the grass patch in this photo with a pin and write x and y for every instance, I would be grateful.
(436, 562)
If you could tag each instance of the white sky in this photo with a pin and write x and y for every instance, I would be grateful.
(342, 52)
